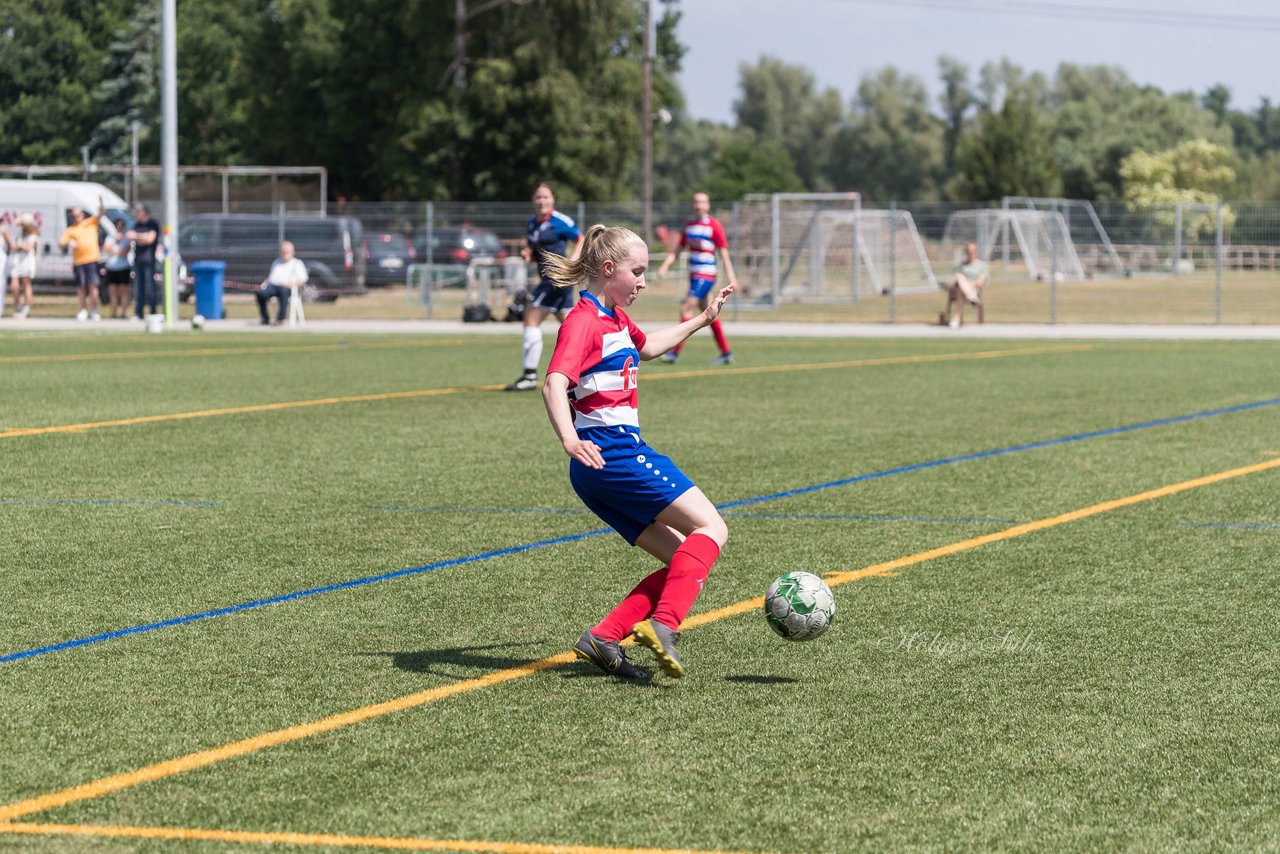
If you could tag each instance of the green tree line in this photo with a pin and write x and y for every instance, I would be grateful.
(378, 92)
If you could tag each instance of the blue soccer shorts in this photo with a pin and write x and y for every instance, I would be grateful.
(635, 485)
(700, 286)
(548, 297)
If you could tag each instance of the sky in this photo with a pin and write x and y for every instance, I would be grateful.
(840, 41)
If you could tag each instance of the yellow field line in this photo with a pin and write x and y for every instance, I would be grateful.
(224, 351)
(191, 762)
(884, 360)
(433, 392)
(331, 839)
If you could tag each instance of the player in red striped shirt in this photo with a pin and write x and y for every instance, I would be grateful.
(704, 237)
(592, 400)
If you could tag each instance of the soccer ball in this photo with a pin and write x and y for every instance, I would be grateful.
(799, 606)
(197, 321)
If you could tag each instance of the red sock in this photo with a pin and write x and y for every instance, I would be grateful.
(680, 346)
(639, 604)
(689, 568)
(718, 331)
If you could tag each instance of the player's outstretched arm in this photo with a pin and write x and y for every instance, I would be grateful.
(664, 339)
(555, 396)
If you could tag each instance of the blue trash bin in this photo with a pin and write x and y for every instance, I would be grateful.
(208, 283)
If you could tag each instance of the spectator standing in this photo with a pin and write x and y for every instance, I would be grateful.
(145, 235)
(22, 263)
(287, 272)
(86, 254)
(119, 270)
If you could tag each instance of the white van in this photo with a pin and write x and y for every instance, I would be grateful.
(51, 203)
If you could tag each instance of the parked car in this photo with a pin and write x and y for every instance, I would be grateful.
(388, 256)
(459, 245)
(330, 246)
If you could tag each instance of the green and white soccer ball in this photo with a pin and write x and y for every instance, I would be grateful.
(799, 606)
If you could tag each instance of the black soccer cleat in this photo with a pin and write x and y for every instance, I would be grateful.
(660, 638)
(608, 656)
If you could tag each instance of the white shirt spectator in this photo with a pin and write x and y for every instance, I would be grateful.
(287, 273)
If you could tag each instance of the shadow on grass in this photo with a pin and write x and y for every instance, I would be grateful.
(433, 661)
(762, 680)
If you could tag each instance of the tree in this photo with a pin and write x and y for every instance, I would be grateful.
(1194, 172)
(892, 147)
(50, 60)
(1102, 116)
(129, 89)
(1008, 154)
(956, 100)
(744, 166)
(780, 103)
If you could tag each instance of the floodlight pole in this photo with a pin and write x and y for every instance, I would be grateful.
(646, 125)
(169, 152)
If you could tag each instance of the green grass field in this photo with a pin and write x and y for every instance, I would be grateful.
(1003, 673)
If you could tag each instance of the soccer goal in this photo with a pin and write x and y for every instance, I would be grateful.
(1038, 242)
(1097, 254)
(825, 247)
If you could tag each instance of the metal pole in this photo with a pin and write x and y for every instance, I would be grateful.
(1177, 238)
(646, 124)
(431, 254)
(733, 230)
(324, 192)
(169, 152)
(1217, 265)
(857, 247)
(893, 261)
(133, 163)
(280, 222)
(1053, 277)
(775, 238)
(226, 190)
(1004, 235)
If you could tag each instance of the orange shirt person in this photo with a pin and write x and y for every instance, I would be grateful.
(82, 236)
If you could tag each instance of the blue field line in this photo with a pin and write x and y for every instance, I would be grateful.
(299, 594)
(1244, 526)
(103, 502)
(873, 517)
(1013, 449)
(360, 582)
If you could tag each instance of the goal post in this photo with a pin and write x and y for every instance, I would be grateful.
(827, 247)
(1039, 242)
(1083, 226)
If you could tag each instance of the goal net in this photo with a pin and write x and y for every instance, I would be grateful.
(1035, 242)
(825, 247)
(1098, 255)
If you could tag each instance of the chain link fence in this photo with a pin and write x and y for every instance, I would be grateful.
(1188, 264)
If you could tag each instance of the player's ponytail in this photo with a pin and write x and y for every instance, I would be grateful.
(601, 244)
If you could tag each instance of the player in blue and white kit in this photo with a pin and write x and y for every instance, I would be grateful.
(592, 400)
(550, 234)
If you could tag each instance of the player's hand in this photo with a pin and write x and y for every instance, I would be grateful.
(587, 453)
(717, 302)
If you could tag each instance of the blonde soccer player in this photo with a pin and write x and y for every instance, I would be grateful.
(592, 401)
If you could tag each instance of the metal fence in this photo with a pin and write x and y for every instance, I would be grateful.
(1166, 265)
